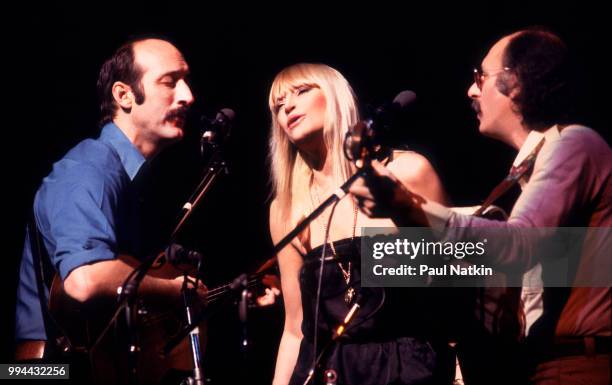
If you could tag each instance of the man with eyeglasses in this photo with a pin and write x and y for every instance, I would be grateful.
(523, 95)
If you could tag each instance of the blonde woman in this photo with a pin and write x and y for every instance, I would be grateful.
(312, 107)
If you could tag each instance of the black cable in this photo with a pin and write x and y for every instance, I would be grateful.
(320, 282)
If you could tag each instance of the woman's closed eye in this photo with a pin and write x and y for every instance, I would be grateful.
(303, 89)
(278, 107)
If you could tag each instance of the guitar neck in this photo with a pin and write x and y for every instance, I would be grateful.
(218, 293)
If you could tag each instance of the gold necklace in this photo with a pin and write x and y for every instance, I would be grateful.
(346, 273)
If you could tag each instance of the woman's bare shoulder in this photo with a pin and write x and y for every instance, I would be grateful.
(409, 166)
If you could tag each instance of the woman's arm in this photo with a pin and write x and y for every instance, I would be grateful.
(290, 263)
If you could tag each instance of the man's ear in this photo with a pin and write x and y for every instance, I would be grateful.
(123, 95)
(515, 87)
(507, 83)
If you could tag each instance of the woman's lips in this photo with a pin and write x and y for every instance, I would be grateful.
(296, 121)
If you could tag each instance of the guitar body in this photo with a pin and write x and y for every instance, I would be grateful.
(155, 325)
(494, 327)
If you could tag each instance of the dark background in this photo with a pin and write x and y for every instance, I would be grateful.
(53, 55)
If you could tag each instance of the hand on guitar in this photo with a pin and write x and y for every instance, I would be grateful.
(382, 195)
(272, 291)
(201, 290)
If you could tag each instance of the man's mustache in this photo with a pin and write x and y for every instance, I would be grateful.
(476, 106)
(180, 113)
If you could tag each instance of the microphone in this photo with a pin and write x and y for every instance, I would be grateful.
(177, 254)
(216, 131)
(401, 100)
(387, 113)
(375, 133)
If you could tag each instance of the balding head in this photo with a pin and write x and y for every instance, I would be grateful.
(124, 66)
(545, 78)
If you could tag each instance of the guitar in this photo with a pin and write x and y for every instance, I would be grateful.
(495, 308)
(94, 338)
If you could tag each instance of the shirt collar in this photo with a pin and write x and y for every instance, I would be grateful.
(130, 157)
(533, 139)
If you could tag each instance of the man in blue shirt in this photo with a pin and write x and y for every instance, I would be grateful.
(86, 209)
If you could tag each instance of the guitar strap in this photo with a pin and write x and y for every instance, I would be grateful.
(515, 174)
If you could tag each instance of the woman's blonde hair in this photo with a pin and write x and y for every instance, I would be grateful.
(291, 175)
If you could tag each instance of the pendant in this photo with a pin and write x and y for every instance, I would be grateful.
(348, 296)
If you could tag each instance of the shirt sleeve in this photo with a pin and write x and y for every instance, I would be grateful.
(81, 219)
(552, 198)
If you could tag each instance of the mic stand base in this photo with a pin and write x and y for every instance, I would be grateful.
(189, 299)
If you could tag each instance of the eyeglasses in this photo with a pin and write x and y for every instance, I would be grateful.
(480, 76)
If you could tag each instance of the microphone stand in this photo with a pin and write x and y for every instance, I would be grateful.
(330, 374)
(128, 290)
(339, 331)
(335, 197)
(243, 313)
(236, 285)
(215, 167)
(189, 299)
(239, 284)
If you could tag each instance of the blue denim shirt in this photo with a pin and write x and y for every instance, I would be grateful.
(86, 211)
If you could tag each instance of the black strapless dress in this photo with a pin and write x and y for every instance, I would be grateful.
(397, 337)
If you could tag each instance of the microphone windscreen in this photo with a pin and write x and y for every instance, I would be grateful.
(404, 98)
(229, 113)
